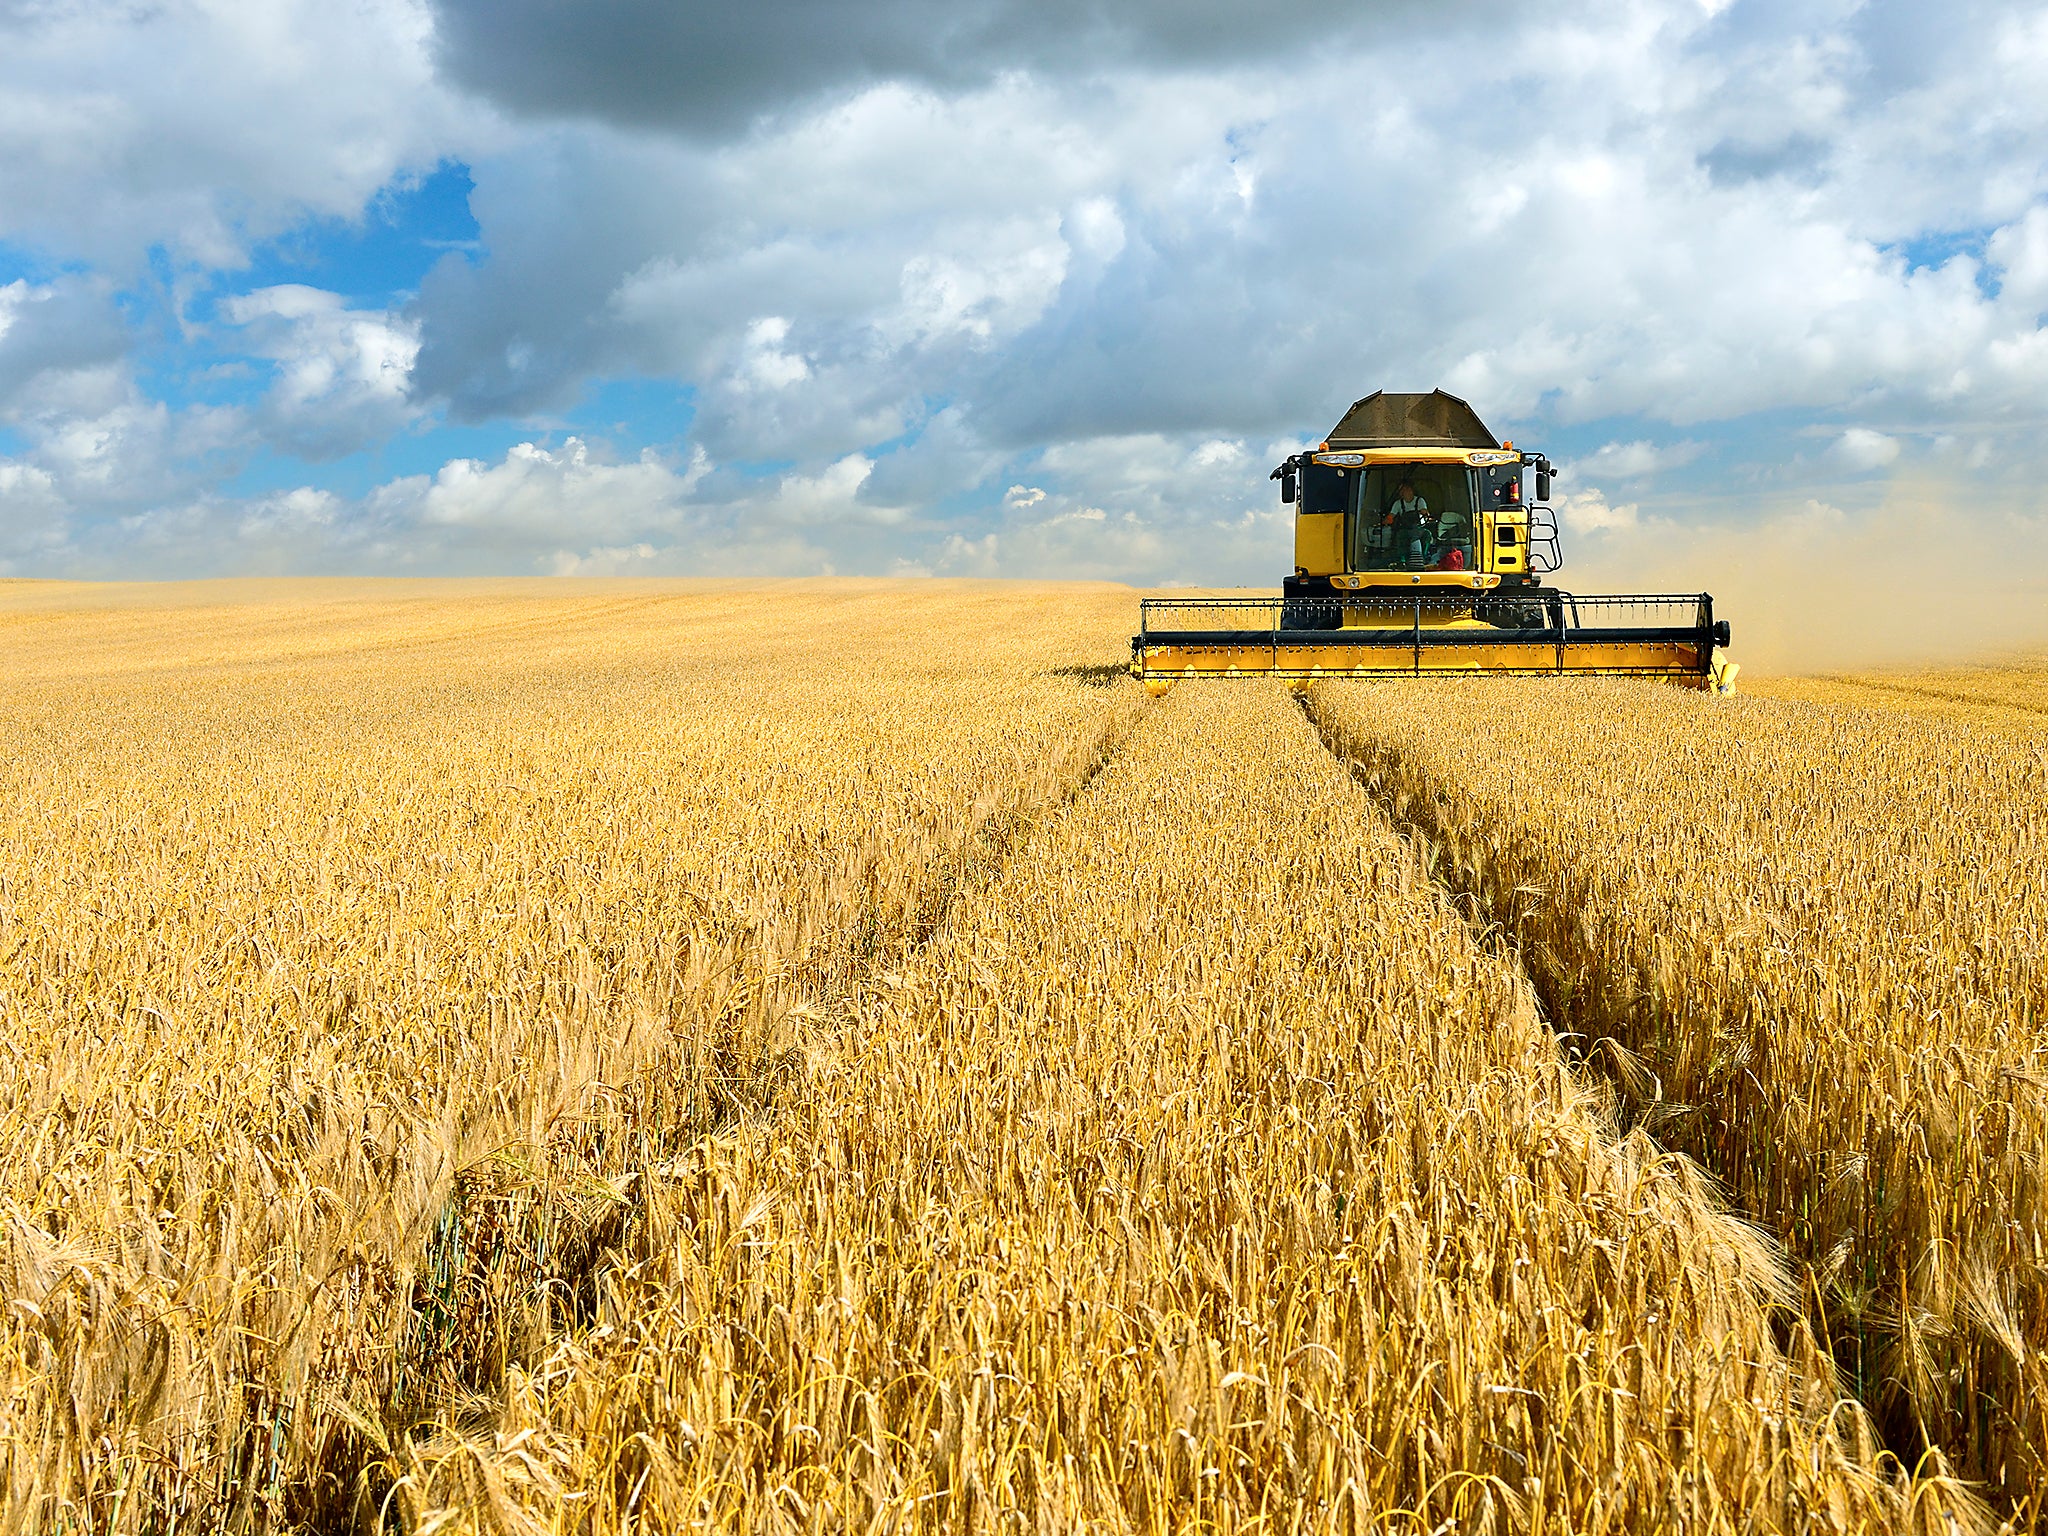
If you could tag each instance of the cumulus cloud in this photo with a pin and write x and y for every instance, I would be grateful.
(1632, 460)
(1112, 266)
(899, 243)
(764, 361)
(1146, 508)
(2018, 254)
(1588, 511)
(567, 509)
(343, 377)
(199, 125)
(1860, 448)
(1005, 285)
(535, 510)
(984, 286)
(575, 509)
(605, 560)
(33, 518)
(101, 445)
(537, 497)
(1678, 218)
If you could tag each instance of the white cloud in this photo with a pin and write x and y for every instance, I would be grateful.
(1073, 545)
(535, 497)
(605, 560)
(201, 124)
(294, 512)
(97, 453)
(764, 363)
(1632, 461)
(33, 518)
(569, 510)
(2018, 252)
(1144, 508)
(52, 330)
(103, 445)
(1100, 279)
(343, 375)
(1656, 215)
(1095, 229)
(1589, 511)
(1860, 448)
(1003, 285)
(830, 496)
(906, 238)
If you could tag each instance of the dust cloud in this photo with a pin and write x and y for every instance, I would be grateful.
(1934, 574)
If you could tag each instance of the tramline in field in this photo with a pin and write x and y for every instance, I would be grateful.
(1416, 551)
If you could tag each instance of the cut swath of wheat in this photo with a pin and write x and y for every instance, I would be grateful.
(528, 1058)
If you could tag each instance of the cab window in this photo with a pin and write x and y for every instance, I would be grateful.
(1436, 536)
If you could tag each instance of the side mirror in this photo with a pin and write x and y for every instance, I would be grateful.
(1542, 483)
(1287, 486)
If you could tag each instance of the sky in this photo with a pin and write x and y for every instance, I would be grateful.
(1011, 287)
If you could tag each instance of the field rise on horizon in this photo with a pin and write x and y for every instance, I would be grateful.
(816, 1055)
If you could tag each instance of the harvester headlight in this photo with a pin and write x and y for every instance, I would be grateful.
(1340, 458)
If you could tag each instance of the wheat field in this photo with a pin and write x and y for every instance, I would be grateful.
(1804, 937)
(823, 1056)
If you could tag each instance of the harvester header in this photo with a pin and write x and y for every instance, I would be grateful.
(1416, 550)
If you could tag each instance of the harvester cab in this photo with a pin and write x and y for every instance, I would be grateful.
(1421, 546)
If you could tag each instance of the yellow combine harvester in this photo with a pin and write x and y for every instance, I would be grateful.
(1416, 551)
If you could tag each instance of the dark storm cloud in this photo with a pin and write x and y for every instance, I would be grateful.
(714, 68)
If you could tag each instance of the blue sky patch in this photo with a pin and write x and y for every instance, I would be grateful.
(374, 260)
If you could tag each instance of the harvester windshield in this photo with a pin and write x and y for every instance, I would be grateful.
(1391, 533)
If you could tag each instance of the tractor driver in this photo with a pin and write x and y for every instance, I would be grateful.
(1408, 516)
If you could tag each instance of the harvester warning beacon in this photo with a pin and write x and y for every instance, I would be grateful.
(1419, 549)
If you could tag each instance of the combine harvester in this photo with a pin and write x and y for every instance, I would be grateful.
(1416, 552)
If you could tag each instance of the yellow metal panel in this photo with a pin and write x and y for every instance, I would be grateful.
(1506, 557)
(1319, 543)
